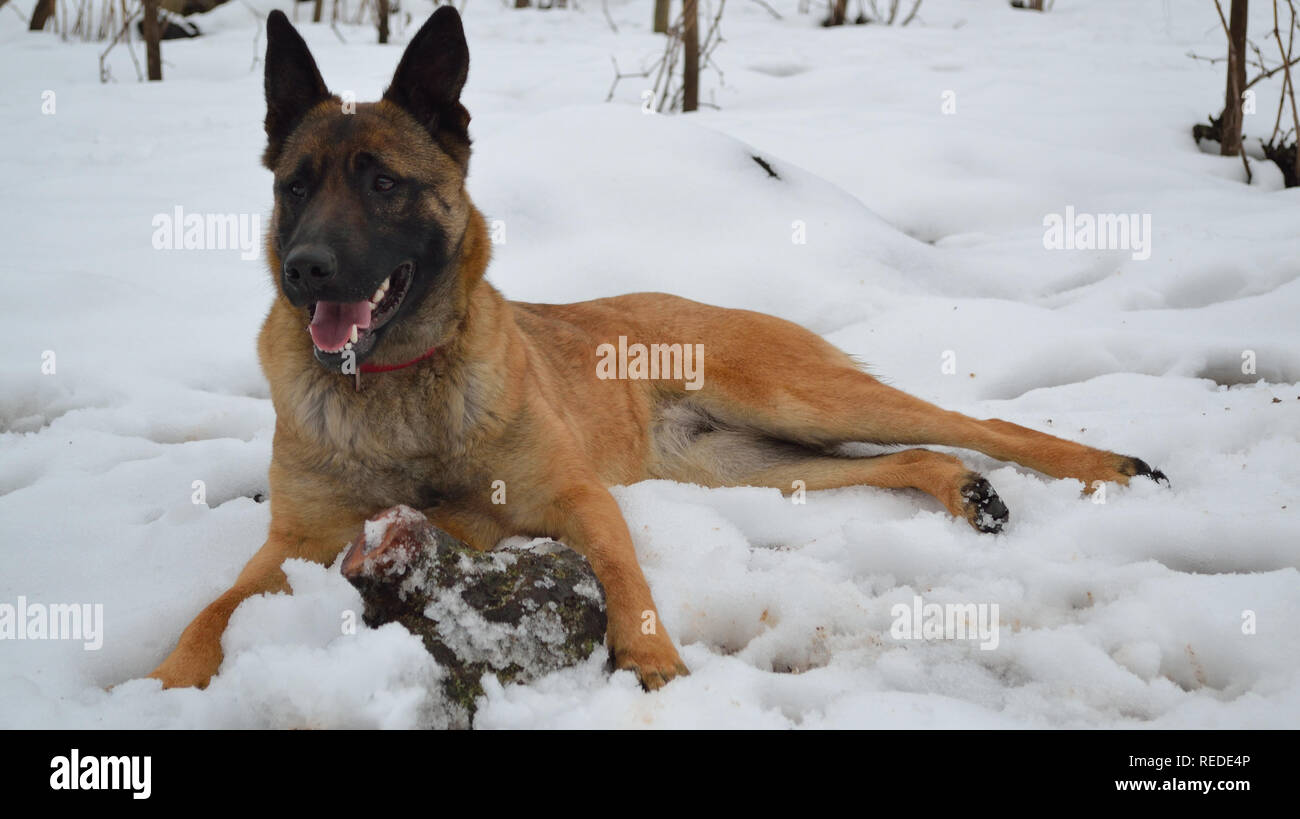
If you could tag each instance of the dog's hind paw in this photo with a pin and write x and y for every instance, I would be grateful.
(984, 509)
(1141, 467)
(1114, 468)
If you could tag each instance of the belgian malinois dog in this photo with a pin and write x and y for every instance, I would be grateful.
(400, 376)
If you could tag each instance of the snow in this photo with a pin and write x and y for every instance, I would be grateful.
(462, 628)
(924, 243)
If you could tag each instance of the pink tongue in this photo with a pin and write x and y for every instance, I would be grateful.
(331, 326)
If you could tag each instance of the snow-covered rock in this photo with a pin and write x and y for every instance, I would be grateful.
(515, 614)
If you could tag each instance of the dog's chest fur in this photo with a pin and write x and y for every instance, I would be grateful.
(404, 438)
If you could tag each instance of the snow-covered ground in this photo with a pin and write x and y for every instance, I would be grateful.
(918, 163)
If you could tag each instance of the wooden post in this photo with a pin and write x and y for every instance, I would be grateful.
(1230, 125)
(661, 16)
(152, 38)
(690, 56)
(43, 12)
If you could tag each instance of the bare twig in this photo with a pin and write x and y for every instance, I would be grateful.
(1276, 148)
(104, 73)
(1264, 74)
(666, 90)
(912, 15)
(1223, 20)
(1288, 85)
(619, 75)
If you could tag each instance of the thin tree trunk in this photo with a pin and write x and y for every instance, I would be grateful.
(690, 56)
(661, 16)
(839, 12)
(317, 10)
(44, 11)
(152, 38)
(1230, 125)
(383, 21)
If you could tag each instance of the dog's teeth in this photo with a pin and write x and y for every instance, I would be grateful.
(378, 297)
(384, 285)
(354, 334)
(348, 346)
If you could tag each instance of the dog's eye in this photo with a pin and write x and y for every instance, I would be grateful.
(384, 183)
(298, 189)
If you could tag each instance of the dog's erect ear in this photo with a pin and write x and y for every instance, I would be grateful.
(293, 83)
(429, 79)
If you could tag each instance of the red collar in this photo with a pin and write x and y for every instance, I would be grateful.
(385, 368)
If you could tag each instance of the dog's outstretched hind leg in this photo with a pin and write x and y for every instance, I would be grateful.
(964, 493)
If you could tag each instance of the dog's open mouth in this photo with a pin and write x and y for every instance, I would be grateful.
(339, 326)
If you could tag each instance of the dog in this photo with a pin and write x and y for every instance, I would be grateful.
(400, 376)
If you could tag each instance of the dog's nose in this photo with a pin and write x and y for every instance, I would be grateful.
(308, 267)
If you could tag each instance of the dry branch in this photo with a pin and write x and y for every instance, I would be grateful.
(667, 92)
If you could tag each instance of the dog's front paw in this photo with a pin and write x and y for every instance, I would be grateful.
(180, 676)
(652, 658)
(188, 668)
(982, 507)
